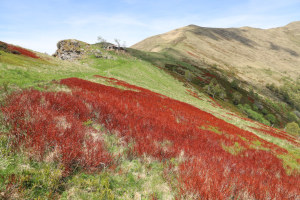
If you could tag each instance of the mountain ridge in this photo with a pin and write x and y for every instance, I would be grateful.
(249, 51)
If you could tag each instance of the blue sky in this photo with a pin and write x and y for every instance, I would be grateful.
(40, 24)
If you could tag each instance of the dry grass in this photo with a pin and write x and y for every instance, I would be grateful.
(274, 53)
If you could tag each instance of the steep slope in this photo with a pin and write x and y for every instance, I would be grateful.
(259, 56)
(126, 129)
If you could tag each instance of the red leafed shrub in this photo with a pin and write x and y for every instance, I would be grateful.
(202, 79)
(160, 127)
(163, 128)
(22, 51)
(17, 50)
(192, 54)
(277, 133)
(251, 99)
(207, 74)
(215, 103)
(48, 122)
(194, 94)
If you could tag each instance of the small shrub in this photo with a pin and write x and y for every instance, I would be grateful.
(235, 84)
(188, 75)
(264, 111)
(5, 86)
(292, 117)
(253, 115)
(293, 128)
(255, 108)
(236, 98)
(214, 89)
(271, 118)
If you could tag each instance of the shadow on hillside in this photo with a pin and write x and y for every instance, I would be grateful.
(279, 48)
(225, 34)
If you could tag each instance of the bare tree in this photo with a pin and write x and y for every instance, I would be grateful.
(118, 42)
(101, 39)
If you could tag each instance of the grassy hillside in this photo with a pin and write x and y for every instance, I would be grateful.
(278, 109)
(256, 70)
(127, 129)
(258, 56)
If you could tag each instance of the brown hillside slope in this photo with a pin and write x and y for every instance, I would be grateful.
(257, 55)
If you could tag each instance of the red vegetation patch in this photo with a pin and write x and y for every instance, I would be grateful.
(17, 50)
(192, 54)
(164, 128)
(126, 85)
(48, 122)
(277, 133)
(202, 79)
(243, 118)
(207, 74)
(251, 99)
(270, 131)
(210, 170)
(194, 94)
(22, 51)
(215, 103)
(207, 77)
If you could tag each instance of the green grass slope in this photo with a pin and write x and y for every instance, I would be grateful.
(22, 177)
(19, 71)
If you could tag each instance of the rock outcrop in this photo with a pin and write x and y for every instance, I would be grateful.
(70, 49)
(74, 49)
(99, 54)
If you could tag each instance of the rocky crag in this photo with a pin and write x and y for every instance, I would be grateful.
(74, 49)
(70, 49)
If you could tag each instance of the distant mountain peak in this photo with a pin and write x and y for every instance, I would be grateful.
(248, 50)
